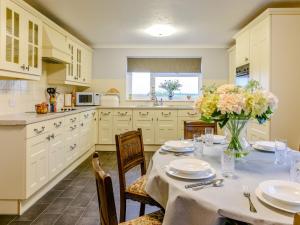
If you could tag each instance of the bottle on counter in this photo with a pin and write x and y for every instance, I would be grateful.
(73, 98)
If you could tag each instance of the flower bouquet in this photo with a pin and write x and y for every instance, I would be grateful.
(233, 106)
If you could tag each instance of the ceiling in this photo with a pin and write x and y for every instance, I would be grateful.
(121, 23)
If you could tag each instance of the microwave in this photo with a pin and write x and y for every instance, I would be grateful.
(87, 98)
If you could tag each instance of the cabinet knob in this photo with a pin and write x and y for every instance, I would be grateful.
(246, 59)
(27, 68)
(23, 67)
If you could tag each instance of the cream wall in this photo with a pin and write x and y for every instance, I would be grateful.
(109, 65)
(18, 96)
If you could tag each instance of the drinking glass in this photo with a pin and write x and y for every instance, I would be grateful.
(209, 136)
(280, 152)
(228, 163)
(198, 145)
(295, 169)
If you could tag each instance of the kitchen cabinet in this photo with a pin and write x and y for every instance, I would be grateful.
(85, 131)
(145, 119)
(122, 122)
(94, 128)
(232, 64)
(274, 52)
(21, 41)
(188, 116)
(166, 126)
(243, 48)
(72, 138)
(37, 168)
(105, 126)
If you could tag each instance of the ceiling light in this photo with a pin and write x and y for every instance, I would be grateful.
(160, 30)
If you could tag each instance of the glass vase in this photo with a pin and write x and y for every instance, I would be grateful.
(236, 133)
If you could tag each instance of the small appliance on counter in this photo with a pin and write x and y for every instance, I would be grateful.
(52, 99)
(68, 100)
(88, 98)
(110, 100)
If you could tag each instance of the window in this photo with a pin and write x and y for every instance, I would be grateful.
(145, 76)
(143, 86)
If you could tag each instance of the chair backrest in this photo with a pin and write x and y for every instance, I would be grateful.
(197, 127)
(107, 208)
(297, 219)
(130, 153)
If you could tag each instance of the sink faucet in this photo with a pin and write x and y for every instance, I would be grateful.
(155, 103)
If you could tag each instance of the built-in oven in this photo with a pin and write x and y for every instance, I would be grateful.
(242, 75)
(87, 98)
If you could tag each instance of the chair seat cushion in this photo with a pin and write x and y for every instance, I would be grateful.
(155, 218)
(138, 187)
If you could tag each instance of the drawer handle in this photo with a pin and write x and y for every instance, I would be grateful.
(86, 116)
(82, 124)
(144, 114)
(57, 125)
(48, 137)
(73, 119)
(52, 136)
(93, 113)
(73, 146)
(105, 114)
(122, 114)
(192, 114)
(166, 114)
(73, 128)
(39, 131)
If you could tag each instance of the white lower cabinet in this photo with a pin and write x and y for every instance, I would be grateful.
(166, 126)
(122, 122)
(94, 128)
(37, 163)
(105, 127)
(145, 119)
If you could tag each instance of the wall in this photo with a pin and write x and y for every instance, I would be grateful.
(18, 96)
(109, 67)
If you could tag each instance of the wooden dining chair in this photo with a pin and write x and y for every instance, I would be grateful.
(297, 219)
(130, 154)
(107, 208)
(197, 127)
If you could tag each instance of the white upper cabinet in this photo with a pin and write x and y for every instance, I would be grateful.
(21, 36)
(243, 48)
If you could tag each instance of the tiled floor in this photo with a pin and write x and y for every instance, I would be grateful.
(73, 201)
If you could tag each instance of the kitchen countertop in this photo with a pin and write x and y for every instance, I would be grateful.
(25, 118)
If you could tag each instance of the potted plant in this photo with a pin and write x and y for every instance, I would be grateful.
(170, 86)
(232, 107)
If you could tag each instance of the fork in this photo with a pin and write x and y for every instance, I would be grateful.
(252, 208)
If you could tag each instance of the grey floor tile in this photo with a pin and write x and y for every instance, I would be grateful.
(82, 199)
(88, 221)
(50, 196)
(71, 192)
(62, 185)
(5, 219)
(70, 216)
(46, 219)
(58, 206)
(32, 212)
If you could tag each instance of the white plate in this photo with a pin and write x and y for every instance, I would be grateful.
(198, 176)
(265, 145)
(285, 191)
(261, 148)
(189, 166)
(276, 204)
(169, 149)
(179, 144)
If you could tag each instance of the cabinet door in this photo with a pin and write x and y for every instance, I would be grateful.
(94, 129)
(243, 48)
(260, 53)
(79, 76)
(37, 168)
(105, 127)
(84, 141)
(33, 45)
(12, 34)
(144, 119)
(86, 65)
(166, 126)
(71, 67)
(56, 154)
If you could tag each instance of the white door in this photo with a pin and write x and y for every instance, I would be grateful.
(144, 119)
(243, 48)
(71, 67)
(105, 127)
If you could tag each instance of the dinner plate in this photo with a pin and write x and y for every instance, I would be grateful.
(261, 148)
(189, 166)
(179, 144)
(265, 145)
(209, 173)
(169, 149)
(285, 191)
(276, 204)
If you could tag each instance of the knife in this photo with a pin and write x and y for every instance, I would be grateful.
(207, 182)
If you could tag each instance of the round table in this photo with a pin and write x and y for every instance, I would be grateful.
(209, 206)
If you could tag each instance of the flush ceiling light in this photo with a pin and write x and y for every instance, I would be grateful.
(160, 30)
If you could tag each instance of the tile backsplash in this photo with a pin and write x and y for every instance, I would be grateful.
(18, 96)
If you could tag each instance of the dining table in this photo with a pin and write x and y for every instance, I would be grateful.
(212, 205)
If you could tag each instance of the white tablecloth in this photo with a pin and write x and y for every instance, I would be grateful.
(208, 206)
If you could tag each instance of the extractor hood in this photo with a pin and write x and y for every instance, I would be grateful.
(55, 48)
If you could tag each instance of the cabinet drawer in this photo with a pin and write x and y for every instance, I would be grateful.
(56, 124)
(166, 115)
(122, 112)
(143, 114)
(36, 129)
(85, 116)
(72, 119)
(105, 113)
(188, 113)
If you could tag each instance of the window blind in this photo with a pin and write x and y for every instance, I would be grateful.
(164, 65)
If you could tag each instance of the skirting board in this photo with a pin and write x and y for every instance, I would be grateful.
(17, 207)
(109, 148)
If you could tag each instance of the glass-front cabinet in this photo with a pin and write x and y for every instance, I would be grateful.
(20, 40)
(71, 67)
